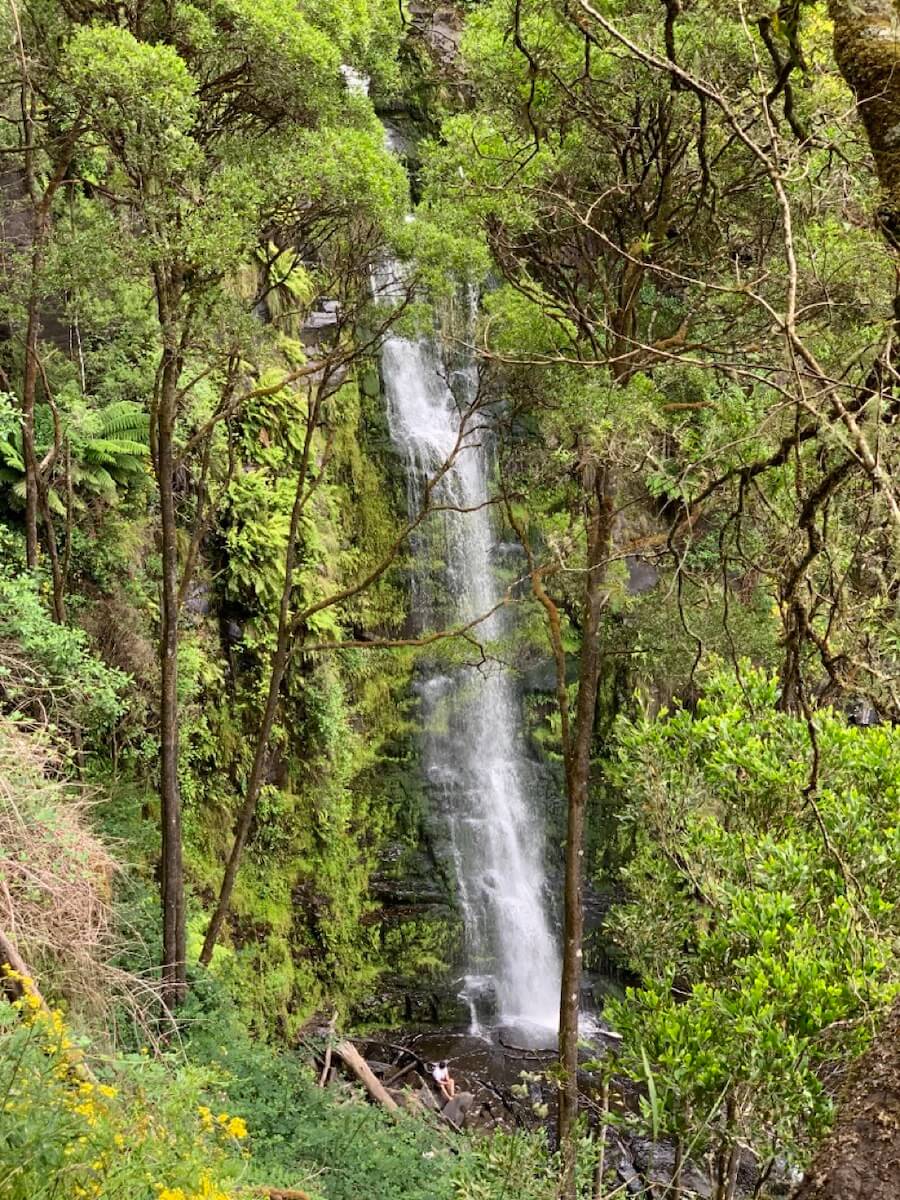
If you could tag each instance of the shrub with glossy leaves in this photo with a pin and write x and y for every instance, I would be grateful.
(761, 911)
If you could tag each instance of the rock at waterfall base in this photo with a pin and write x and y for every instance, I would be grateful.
(455, 1110)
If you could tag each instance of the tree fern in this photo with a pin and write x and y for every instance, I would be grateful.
(124, 419)
(107, 450)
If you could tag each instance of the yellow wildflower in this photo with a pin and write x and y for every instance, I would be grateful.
(237, 1127)
(209, 1190)
(105, 1090)
(87, 1110)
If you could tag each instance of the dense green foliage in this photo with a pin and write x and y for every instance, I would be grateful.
(761, 912)
(686, 339)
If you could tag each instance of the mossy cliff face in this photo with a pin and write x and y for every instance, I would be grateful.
(341, 887)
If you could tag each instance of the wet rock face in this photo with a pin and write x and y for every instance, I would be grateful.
(441, 27)
(416, 913)
(642, 576)
(198, 599)
(656, 1163)
(403, 1003)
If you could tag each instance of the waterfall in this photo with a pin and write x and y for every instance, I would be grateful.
(472, 745)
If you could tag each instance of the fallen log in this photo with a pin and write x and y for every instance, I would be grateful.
(349, 1054)
(401, 1050)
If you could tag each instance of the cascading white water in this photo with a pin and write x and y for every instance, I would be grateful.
(472, 750)
(473, 755)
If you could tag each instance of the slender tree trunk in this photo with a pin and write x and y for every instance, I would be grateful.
(278, 665)
(59, 589)
(578, 767)
(172, 882)
(29, 389)
(728, 1158)
(734, 1164)
(678, 1168)
(601, 1153)
(56, 571)
(40, 233)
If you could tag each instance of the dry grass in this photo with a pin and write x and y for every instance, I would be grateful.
(56, 884)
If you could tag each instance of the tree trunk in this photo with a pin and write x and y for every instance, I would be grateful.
(678, 1168)
(56, 571)
(172, 882)
(867, 50)
(278, 665)
(578, 768)
(29, 387)
(860, 1160)
(40, 233)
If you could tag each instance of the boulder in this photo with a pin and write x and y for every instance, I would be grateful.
(642, 576)
(426, 1098)
(455, 1110)
(656, 1162)
(197, 599)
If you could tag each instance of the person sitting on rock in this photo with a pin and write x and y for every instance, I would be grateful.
(444, 1079)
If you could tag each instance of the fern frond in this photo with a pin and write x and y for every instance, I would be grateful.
(54, 503)
(12, 456)
(128, 466)
(100, 480)
(107, 450)
(124, 417)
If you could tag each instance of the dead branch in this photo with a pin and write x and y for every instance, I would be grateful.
(348, 1053)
